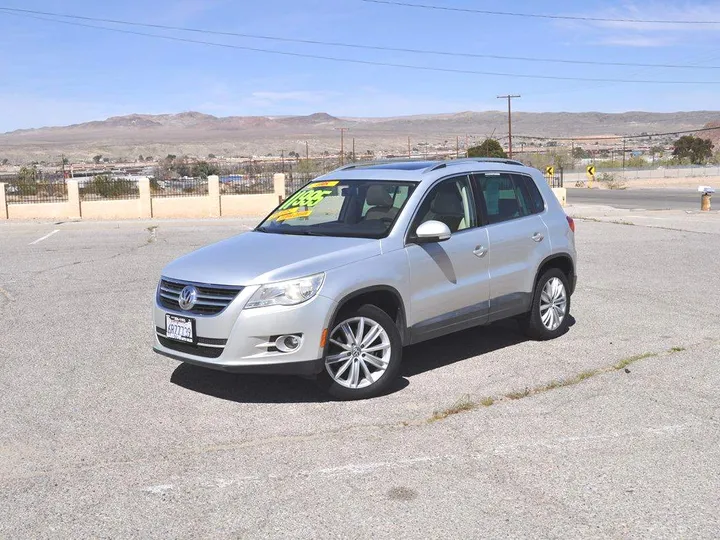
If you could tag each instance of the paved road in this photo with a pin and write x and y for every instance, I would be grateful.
(648, 199)
(101, 438)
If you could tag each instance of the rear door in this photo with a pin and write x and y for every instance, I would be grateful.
(512, 209)
(448, 280)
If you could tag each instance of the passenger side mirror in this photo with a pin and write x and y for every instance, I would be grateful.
(432, 231)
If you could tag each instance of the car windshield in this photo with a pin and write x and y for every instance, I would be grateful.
(357, 208)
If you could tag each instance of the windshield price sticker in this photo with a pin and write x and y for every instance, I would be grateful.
(306, 197)
(329, 183)
(292, 213)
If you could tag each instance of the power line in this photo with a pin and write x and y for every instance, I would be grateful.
(352, 45)
(358, 61)
(616, 137)
(535, 15)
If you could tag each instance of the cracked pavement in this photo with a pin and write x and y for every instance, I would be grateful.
(100, 437)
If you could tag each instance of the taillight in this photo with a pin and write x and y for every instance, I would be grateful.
(571, 223)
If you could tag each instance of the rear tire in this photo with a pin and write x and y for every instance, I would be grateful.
(549, 314)
(363, 354)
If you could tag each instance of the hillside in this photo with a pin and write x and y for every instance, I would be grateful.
(196, 133)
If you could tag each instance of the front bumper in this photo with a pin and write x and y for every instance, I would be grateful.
(241, 341)
(312, 367)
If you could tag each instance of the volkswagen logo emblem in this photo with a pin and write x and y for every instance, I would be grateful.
(187, 298)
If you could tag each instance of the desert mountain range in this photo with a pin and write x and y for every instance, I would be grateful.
(199, 134)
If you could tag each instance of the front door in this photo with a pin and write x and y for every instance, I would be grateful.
(448, 280)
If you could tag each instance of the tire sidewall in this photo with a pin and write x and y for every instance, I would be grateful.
(536, 324)
(392, 372)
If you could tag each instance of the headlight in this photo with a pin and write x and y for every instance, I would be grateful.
(286, 293)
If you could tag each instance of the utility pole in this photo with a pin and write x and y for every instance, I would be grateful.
(342, 144)
(509, 98)
(353, 154)
(282, 157)
(457, 146)
(409, 155)
(623, 154)
(307, 152)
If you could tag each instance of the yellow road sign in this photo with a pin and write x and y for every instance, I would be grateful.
(590, 170)
(550, 170)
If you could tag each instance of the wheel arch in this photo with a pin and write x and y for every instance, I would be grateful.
(384, 297)
(562, 261)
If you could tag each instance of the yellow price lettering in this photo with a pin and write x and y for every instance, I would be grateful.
(307, 198)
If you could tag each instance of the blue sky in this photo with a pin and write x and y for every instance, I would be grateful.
(56, 74)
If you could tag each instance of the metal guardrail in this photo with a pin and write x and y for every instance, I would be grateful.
(36, 191)
(103, 188)
(294, 181)
(183, 187)
(247, 184)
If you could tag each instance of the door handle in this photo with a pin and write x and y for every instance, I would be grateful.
(479, 251)
(537, 237)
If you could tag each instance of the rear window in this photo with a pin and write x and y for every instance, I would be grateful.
(532, 198)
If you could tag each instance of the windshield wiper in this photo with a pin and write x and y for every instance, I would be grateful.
(304, 233)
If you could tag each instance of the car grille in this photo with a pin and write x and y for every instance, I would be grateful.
(211, 300)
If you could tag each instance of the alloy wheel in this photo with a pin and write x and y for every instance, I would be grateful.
(359, 352)
(553, 304)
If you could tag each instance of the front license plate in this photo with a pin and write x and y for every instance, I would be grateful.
(180, 328)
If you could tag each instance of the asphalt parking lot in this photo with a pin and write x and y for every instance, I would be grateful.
(102, 438)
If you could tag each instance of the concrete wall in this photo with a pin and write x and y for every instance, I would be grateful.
(679, 173)
(211, 205)
(41, 211)
(185, 207)
(127, 209)
(247, 205)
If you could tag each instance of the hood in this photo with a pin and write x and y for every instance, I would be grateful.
(254, 258)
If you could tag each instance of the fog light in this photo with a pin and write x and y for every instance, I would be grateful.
(289, 343)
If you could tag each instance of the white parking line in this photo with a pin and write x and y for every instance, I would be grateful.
(44, 237)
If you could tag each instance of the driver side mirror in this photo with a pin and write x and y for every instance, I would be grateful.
(432, 231)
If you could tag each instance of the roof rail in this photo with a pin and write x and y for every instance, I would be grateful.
(476, 159)
(363, 164)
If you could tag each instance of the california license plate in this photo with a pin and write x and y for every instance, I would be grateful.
(180, 328)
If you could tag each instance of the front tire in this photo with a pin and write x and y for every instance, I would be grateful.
(549, 314)
(363, 354)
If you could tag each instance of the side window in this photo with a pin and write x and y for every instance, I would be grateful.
(530, 193)
(451, 202)
(502, 198)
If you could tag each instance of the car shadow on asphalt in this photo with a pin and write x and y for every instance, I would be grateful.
(447, 350)
(417, 359)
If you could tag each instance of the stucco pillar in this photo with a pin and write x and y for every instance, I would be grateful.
(279, 185)
(3, 202)
(214, 194)
(73, 189)
(145, 197)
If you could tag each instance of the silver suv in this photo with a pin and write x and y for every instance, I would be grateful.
(367, 259)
